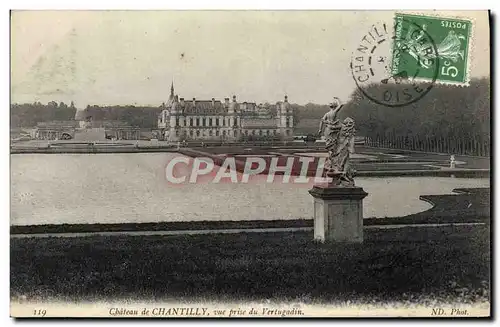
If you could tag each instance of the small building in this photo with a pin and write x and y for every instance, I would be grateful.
(118, 129)
(66, 130)
(56, 130)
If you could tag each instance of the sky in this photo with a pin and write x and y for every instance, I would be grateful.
(132, 57)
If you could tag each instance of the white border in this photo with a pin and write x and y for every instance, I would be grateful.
(249, 4)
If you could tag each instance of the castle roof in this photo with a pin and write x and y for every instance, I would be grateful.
(201, 107)
(204, 106)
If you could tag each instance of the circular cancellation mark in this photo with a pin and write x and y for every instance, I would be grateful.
(414, 58)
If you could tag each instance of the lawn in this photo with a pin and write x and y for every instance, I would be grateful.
(406, 264)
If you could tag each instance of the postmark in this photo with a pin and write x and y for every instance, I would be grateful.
(382, 67)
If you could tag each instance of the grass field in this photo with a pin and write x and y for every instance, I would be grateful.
(410, 265)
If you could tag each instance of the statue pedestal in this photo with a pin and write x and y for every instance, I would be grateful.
(338, 213)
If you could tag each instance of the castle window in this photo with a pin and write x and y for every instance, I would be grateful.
(197, 121)
(204, 122)
(176, 121)
(267, 133)
(287, 132)
(190, 121)
(177, 133)
(274, 132)
(223, 133)
(235, 133)
(260, 132)
(216, 133)
(216, 121)
(191, 133)
(210, 133)
(246, 132)
(184, 122)
(287, 122)
(198, 133)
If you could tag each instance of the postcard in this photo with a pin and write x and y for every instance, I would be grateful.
(238, 163)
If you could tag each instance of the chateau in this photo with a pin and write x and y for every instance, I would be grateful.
(228, 121)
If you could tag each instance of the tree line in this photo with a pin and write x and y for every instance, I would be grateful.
(29, 114)
(140, 116)
(445, 112)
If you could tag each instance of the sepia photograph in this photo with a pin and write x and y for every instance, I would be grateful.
(250, 164)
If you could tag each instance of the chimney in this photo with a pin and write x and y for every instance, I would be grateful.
(234, 98)
(194, 102)
(226, 101)
(213, 102)
(182, 102)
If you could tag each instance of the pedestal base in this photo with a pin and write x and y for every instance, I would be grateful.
(338, 213)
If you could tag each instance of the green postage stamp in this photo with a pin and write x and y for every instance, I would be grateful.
(432, 48)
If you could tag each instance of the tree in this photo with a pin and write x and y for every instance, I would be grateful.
(446, 111)
(295, 113)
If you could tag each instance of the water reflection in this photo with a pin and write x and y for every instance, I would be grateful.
(114, 188)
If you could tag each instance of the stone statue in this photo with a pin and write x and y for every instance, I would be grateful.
(339, 137)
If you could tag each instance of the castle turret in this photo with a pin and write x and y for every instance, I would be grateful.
(285, 118)
(174, 108)
(233, 107)
(171, 98)
(285, 106)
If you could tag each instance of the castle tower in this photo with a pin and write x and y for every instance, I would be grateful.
(285, 119)
(233, 106)
(284, 112)
(171, 98)
(165, 118)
